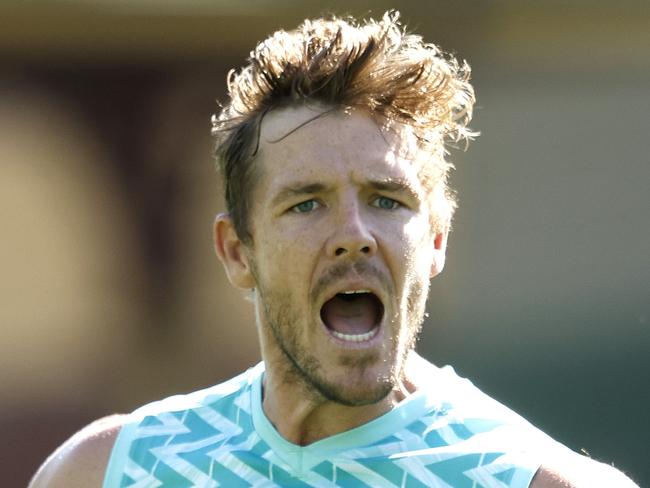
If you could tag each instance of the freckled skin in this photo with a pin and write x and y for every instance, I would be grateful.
(321, 224)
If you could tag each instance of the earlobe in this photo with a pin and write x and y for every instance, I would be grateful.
(439, 252)
(231, 253)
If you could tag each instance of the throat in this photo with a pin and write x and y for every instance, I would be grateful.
(303, 419)
(304, 422)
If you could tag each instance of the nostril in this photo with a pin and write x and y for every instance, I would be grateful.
(341, 250)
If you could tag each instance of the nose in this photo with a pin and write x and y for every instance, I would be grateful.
(351, 236)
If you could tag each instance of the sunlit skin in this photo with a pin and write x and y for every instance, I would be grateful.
(337, 205)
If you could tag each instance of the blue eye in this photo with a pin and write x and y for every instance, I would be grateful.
(306, 206)
(385, 203)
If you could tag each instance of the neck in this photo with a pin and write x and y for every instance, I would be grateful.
(303, 417)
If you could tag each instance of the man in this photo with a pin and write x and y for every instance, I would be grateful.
(332, 150)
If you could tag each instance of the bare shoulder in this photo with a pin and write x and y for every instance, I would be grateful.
(81, 461)
(576, 471)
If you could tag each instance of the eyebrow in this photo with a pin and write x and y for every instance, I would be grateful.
(393, 185)
(396, 185)
(295, 190)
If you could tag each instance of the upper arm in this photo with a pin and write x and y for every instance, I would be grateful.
(81, 461)
(577, 471)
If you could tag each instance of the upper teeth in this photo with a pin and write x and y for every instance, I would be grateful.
(352, 292)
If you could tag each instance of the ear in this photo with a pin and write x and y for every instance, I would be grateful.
(439, 251)
(231, 253)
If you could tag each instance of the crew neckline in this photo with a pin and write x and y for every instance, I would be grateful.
(304, 458)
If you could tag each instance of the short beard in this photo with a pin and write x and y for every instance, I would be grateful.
(306, 370)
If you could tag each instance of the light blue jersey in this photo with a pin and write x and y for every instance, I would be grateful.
(448, 435)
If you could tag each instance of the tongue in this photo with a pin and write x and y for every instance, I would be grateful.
(354, 314)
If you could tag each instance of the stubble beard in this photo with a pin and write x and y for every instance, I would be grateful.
(303, 368)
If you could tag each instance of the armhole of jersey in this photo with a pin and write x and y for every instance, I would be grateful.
(119, 454)
(524, 468)
(524, 477)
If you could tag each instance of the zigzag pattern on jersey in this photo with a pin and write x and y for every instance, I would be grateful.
(215, 444)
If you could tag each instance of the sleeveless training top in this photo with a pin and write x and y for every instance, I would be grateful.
(448, 435)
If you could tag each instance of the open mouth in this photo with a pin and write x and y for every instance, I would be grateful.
(353, 315)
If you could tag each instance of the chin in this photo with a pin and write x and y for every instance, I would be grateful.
(356, 395)
(358, 383)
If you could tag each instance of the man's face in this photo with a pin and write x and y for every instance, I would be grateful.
(342, 251)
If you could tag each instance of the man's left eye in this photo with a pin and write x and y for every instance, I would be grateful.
(306, 206)
(385, 203)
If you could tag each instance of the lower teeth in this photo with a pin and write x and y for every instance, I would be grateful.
(356, 337)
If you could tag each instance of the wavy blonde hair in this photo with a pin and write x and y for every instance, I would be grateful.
(339, 63)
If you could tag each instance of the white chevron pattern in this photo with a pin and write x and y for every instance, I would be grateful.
(213, 442)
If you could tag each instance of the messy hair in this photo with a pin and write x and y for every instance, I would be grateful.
(340, 63)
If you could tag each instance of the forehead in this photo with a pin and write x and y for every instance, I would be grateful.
(305, 140)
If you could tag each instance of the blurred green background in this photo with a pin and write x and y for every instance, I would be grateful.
(109, 292)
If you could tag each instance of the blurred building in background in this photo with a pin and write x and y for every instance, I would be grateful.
(110, 294)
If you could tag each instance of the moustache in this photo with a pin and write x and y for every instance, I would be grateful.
(349, 269)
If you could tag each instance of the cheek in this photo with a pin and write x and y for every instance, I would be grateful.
(410, 259)
(283, 254)
(418, 260)
(418, 243)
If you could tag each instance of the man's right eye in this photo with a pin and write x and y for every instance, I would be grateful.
(306, 206)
